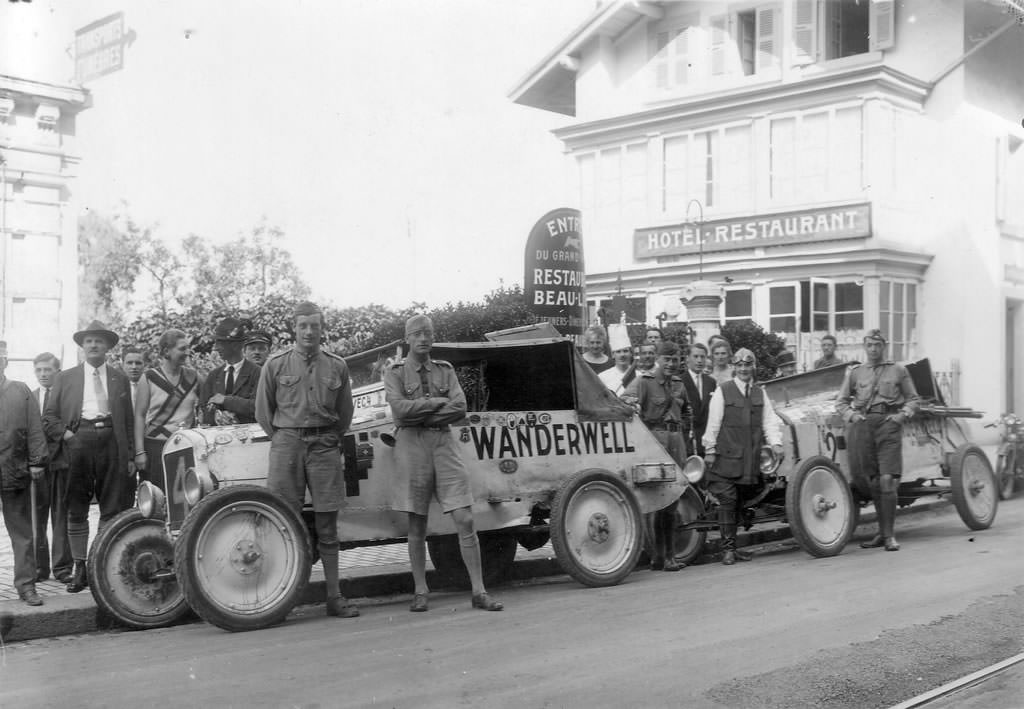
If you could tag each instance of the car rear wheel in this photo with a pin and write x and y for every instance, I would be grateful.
(243, 558)
(975, 492)
(820, 508)
(497, 552)
(1006, 468)
(689, 543)
(596, 528)
(131, 572)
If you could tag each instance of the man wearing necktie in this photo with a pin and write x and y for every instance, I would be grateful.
(740, 420)
(699, 388)
(875, 399)
(133, 362)
(90, 413)
(51, 488)
(229, 393)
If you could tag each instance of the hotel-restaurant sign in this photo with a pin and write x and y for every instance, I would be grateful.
(808, 226)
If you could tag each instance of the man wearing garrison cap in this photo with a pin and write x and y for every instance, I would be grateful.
(876, 398)
(740, 421)
(426, 398)
(304, 403)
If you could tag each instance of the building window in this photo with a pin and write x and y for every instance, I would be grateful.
(846, 29)
(834, 29)
(816, 156)
(745, 40)
(610, 310)
(711, 166)
(831, 307)
(739, 305)
(897, 316)
(849, 306)
(670, 61)
(782, 308)
(745, 43)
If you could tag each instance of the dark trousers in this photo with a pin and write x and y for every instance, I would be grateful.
(875, 448)
(730, 500)
(17, 513)
(93, 470)
(51, 506)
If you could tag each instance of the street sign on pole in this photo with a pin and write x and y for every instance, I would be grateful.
(99, 48)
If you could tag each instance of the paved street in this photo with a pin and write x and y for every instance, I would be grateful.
(784, 631)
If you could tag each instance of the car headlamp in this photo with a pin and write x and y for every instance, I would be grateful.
(693, 469)
(768, 462)
(196, 486)
(152, 501)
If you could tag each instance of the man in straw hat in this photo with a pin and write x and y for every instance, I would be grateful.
(304, 403)
(23, 454)
(90, 412)
(876, 398)
(426, 398)
(740, 420)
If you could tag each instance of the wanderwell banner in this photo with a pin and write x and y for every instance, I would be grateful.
(554, 279)
(807, 226)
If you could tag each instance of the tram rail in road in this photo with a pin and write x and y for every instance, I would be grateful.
(959, 685)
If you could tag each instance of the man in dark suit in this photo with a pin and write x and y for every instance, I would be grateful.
(51, 488)
(229, 393)
(699, 387)
(90, 412)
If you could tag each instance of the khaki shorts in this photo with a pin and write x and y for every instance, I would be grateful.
(313, 461)
(435, 471)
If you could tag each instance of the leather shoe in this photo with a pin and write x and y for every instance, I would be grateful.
(729, 558)
(419, 603)
(63, 577)
(891, 544)
(31, 597)
(673, 565)
(484, 602)
(743, 555)
(79, 579)
(339, 607)
(873, 543)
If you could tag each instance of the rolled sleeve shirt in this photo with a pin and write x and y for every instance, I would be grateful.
(296, 391)
(770, 423)
(867, 385)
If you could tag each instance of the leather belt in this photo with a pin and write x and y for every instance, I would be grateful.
(315, 430)
(97, 423)
(670, 426)
(884, 409)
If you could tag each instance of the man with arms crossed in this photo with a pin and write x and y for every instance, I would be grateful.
(304, 403)
(426, 398)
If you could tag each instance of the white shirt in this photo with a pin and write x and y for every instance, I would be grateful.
(695, 376)
(42, 398)
(135, 391)
(770, 423)
(90, 410)
(612, 379)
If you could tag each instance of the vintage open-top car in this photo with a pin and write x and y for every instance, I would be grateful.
(548, 448)
(812, 487)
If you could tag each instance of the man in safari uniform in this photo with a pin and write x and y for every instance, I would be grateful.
(875, 400)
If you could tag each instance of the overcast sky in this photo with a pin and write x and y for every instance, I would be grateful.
(376, 133)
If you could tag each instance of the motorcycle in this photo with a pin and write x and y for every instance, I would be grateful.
(1010, 458)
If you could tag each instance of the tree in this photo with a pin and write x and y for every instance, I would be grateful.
(108, 264)
(766, 346)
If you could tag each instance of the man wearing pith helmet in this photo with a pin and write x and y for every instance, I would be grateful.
(426, 398)
(304, 403)
(740, 421)
(875, 400)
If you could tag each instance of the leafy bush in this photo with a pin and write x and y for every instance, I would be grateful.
(766, 346)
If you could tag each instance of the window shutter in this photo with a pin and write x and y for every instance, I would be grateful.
(804, 34)
(883, 25)
(661, 60)
(718, 39)
(767, 46)
(680, 59)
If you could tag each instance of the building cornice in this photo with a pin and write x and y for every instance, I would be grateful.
(70, 98)
(873, 80)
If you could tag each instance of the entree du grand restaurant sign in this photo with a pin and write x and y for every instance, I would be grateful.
(811, 225)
